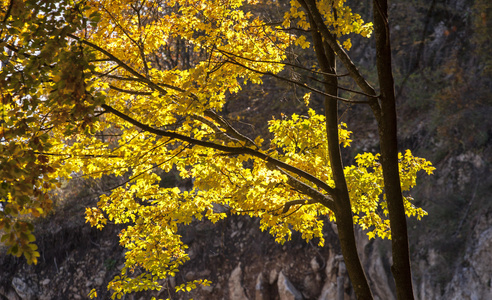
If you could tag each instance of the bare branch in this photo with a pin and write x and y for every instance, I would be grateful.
(281, 63)
(229, 129)
(303, 85)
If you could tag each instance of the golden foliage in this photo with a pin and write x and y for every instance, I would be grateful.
(152, 75)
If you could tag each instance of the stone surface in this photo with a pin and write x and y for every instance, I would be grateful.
(25, 288)
(45, 282)
(311, 286)
(286, 290)
(236, 289)
(473, 278)
(272, 277)
(9, 294)
(261, 288)
(310, 270)
(314, 264)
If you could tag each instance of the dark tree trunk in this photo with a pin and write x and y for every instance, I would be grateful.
(343, 212)
(385, 112)
(389, 155)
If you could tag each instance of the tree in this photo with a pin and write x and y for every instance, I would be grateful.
(136, 88)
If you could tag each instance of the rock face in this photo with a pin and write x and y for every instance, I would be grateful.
(25, 288)
(273, 272)
(376, 268)
(473, 278)
(262, 289)
(329, 291)
(236, 289)
(286, 289)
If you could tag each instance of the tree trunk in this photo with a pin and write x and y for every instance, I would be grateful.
(389, 155)
(343, 212)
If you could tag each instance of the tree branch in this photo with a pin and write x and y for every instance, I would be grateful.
(308, 190)
(303, 85)
(218, 132)
(232, 150)
(299, 67)
(78, 155)
(310, 7)
(130, 91)
(280, 63)
(129, 69)
(289, 204)
(116, 77)
(229, 129)
(9, 9)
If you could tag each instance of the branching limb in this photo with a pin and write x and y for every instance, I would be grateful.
(302, 68)
(116, 77)
(316, 196)
(78, 155)
(140, 77)
(218, 132)
(280, 63)
(130, 91)
(303, 85)
(9, 9)
(289, 204)
(310, 7)
(232, 150)
(229, 129)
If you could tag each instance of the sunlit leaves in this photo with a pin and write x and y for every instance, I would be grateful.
(168, 66)
(222, 35)
(34, 39)
(300, 141)
(92, 294)
(366, 188)
(337, 16)
(186, 287)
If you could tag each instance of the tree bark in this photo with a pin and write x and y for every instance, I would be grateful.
(343, 213)
(343, 209)
(387, 128)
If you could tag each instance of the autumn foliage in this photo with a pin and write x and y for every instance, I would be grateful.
(135, 89)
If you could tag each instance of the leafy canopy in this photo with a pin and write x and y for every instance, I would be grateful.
(134, 89)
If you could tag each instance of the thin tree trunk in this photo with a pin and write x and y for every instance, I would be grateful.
(389, 155)
(343, 212)
(345, 223)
